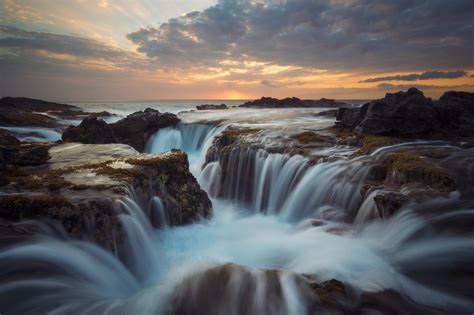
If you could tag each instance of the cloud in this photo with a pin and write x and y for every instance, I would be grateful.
(422, 76)
(268, 83)
(389, 86)
(15, 38)
(321, 34)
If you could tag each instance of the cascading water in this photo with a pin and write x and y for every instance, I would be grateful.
(290, 186)
(196, 268)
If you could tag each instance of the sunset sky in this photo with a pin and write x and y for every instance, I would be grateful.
(242, 49)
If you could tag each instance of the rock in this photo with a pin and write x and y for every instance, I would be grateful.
(405, 167)
(389, 202)
(211, 106)
(7, 138)
(249, 291)
(91, 130)
(79, 186)
(269, 102)
(349, 118)
(27, 112)
(402, 113)
(25, 155)
(411, 114)
(307, 137)
(328, 113)
(455, 112)
(133, 130)
(232, 289)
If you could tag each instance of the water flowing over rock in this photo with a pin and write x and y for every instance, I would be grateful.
(83, 196)
(134, 130)
(383, 230)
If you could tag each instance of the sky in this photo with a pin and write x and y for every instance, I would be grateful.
(234, 49)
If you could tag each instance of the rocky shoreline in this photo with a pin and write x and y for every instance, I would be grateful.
(84, 183)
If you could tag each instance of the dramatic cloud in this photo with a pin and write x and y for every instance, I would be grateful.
(14, 38)
(423, 76)
(324, 34)
(400, 87)
(231, 48)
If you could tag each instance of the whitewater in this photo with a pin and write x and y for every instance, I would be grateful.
(292, 216)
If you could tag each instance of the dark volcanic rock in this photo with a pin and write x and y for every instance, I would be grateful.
(133, 130)
(211, 106)
(7, 138)
(389, 202)
(455, 111)
(412, 114)
(91, 130)
(329, 113)
(402, 113)
(269, 102)
(27, 112)
(24, 155)
(80, 184)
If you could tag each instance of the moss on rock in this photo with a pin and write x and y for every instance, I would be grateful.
(308, 137)
(406, 167)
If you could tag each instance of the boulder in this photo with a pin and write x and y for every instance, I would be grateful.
(407, 114)
(402, 113)
(455, 112)
(134, 130)
(211, 106)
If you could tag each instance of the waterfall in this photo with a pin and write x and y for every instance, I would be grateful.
(194, 139)
(171, 269)
(290, 186)
(249, 258)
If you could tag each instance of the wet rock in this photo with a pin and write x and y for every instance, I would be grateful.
(389, 202)
(27, 112)
(92, 130)
(246, 291)
(269, 102)
(80, 184)
(211, 107)
(307, 137)
(405, 167)
(349, 118)
(25, 155)
(411, 114)
(402, 113)
(134, 130)
(7, 138)
(328, 113)
(243, 290)
(455, 112)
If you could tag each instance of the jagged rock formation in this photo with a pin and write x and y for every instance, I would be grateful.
(133, 130)
(27, 112)
(412, 114)
(211, 106)
(270, 102)
(82, 194)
